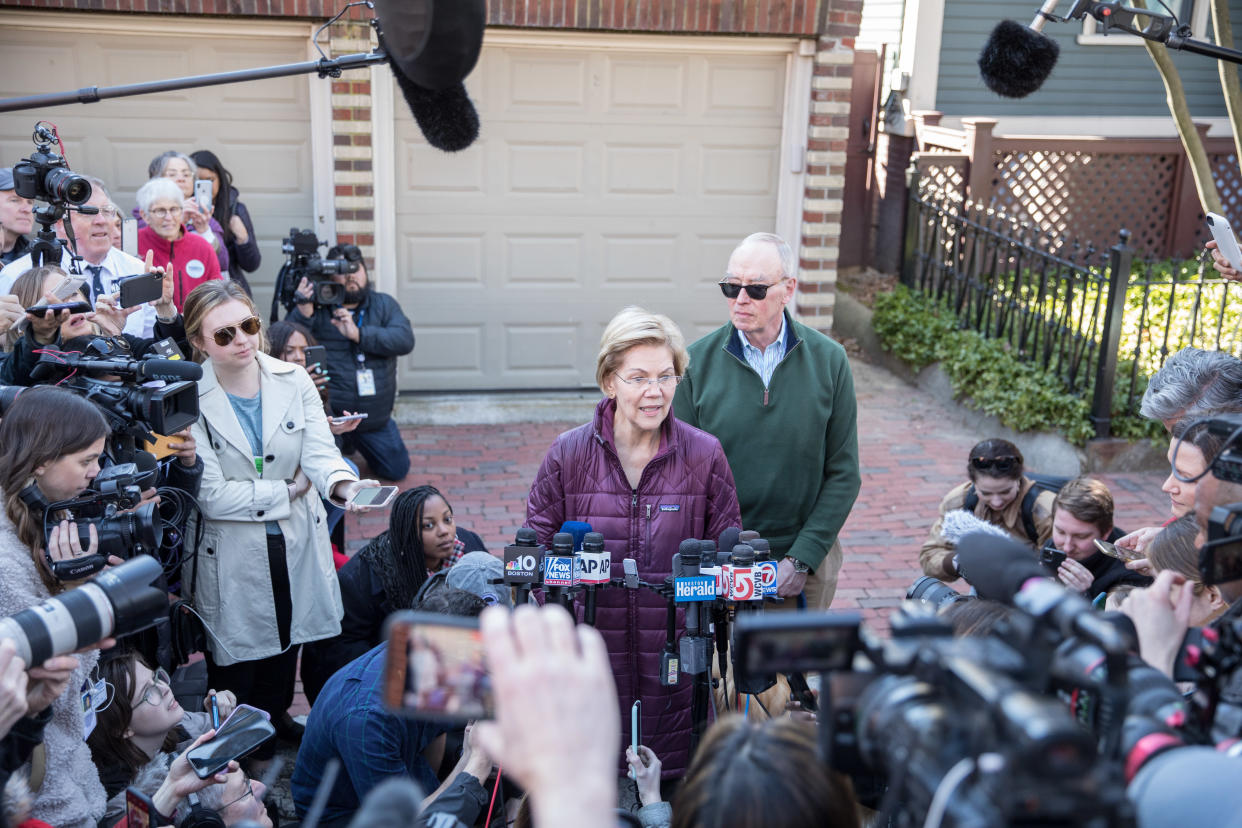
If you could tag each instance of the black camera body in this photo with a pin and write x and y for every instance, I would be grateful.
(45, 176)
(304, 262)
(109, 506)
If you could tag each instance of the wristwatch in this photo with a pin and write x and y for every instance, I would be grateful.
(800, 566)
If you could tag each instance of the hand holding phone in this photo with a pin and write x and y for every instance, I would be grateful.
(373, 497)
(243, 731)
(347, 418)
(1226, 242)
(435, 668)
(70, 307)
(202, 196)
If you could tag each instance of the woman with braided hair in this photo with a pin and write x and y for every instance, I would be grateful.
(422, 538)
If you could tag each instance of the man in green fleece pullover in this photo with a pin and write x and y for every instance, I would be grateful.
(780, 398)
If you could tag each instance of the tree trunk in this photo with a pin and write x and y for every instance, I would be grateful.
(1175, 96)
(1223, 30)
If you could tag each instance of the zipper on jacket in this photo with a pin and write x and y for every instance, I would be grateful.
(648, 525)
(765, 396)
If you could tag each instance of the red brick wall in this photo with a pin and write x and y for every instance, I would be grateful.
(797, 17)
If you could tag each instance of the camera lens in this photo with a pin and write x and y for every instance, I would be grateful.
(65, 185)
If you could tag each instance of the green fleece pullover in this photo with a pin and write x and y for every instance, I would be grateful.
(793, 447)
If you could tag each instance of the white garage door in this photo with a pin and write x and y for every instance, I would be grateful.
(260, 129)
(607, 173)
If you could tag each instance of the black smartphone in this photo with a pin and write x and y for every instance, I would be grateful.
(316, 355)
(140, 289)
(72, 307)
(435, 668)
(1052, 559)
(244, 730)
(139, 809)
(802, 642)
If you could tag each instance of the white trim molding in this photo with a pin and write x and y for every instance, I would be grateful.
(920, 52)
(383, 177)
(791, 184)
(323, 190)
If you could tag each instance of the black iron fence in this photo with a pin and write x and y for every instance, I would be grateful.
(1096, 319)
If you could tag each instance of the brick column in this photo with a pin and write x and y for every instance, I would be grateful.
(353, 177)
(825, 158)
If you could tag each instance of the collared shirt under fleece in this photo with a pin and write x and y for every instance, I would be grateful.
(792, 445)
(764, 360)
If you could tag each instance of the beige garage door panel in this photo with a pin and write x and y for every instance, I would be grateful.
(259, 129)
(601, 179)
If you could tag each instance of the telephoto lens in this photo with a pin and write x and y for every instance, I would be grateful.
(937, 593)
(117, 601)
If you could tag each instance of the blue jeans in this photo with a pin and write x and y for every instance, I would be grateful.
(383, 449)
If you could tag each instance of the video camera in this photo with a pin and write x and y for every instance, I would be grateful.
(106, 506)
(45, 176)
(304, 262)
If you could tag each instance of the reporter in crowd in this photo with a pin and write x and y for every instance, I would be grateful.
(138, 735)
(261, 575)
(50, 444)
(16, 219)
(364, 337)
(1082, 513)
(182, 171)
(997, 492)
(646, 481)
(385, 577)
(103, 265)
(1176, 548)
(187, 255)
(238, 800)
(232, 216)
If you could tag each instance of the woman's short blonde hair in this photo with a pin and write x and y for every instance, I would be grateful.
(634, 326)
(203, 300)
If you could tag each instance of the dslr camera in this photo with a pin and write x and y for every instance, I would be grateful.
(304, 262)
(45, 176)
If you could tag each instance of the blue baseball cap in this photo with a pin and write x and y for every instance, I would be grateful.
(6, 179)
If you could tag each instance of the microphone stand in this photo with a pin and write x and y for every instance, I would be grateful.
(1161, 28)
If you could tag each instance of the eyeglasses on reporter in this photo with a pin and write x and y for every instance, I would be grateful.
(165, 212)
(1003, 464)
(152, 694)
(250, 326)
(758, 291)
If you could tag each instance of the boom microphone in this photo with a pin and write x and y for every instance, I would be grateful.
(1017, 59)
(447, 117)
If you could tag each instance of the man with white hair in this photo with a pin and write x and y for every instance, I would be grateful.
(780, 398)
(1193, 383)
(102, 266)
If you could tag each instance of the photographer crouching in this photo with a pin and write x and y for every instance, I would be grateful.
(364, 332)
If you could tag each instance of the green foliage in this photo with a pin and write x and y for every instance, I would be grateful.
(984, 371)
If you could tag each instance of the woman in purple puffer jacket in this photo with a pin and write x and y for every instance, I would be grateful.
(646, 481)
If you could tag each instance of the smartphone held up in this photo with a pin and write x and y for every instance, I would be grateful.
(435, 668)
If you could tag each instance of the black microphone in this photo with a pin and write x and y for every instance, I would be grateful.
(394, 803)
(523, 561)
(596, 570)
(560, 568)
(1017, 59)
(169, 370)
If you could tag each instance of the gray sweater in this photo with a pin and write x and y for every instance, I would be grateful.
(71, 795)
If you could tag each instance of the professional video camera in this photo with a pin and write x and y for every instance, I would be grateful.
(304, 262)
(104, 506)
(121, 601)
(106, 374)
(45, 176)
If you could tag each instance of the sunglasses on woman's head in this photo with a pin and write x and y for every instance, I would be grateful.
(1003, 465)
(731, 290)
(250, 326)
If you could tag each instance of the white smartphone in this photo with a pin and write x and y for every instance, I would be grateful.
(1226, 242)
(636, 737)
(374, 497)
(129, 236)
(202, 196)
(346, 418)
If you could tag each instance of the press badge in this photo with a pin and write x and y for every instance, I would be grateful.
(366, 382)
(88, 709)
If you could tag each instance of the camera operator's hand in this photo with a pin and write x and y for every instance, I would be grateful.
(182, 781)
(789, 581)
(1222, 264)
(345, 427)
(1074, 575)
(304, 293)
(45, 327)
(11, 310)
(1138, 540)
(347, 490)
(556, 730)
(343, 321)
(13, 703)
(226, 702)
(1161, 616)
(49, 681)
(646, 767)
(64, 543)
(184, 448)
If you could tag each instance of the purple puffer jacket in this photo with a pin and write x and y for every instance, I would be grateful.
(686, 491)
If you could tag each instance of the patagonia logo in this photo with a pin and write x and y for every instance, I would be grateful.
(670, 507)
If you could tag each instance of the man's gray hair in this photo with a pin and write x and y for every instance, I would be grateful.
(210, 797)
(97, 185)
(1194, 383)
(156, 168)
(789, 264)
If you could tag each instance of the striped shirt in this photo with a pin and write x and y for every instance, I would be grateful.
(764, 362)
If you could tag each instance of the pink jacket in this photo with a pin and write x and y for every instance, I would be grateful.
(686, 491)
(192, 257)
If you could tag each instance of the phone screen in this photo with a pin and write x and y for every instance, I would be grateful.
(138, 809)
(374, 496)
(244, 730)
(436, 669)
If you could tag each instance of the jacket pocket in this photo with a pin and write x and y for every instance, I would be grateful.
(207, 578)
